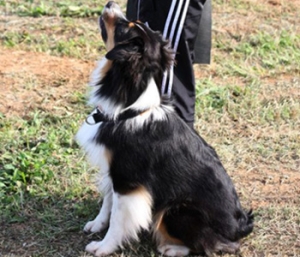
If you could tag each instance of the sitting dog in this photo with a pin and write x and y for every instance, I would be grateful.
(157, 173)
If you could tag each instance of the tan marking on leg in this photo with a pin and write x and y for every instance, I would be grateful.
(144, 193)
(160, 232)
(108, 155)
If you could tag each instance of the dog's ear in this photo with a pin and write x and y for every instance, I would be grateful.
(126, 50)
(117, 53)
(167, 55)
(164, 53)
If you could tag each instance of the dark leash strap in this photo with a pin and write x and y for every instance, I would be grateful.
(99, 116)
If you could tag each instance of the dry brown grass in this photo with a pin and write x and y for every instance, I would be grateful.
(248, 108)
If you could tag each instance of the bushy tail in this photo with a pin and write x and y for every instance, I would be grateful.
(246, 224)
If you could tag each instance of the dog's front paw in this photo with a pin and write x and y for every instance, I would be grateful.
(95, 226)
(99, 249)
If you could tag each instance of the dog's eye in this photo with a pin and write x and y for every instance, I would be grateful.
(135, 48)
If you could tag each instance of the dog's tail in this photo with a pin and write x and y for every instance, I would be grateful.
(246, 224)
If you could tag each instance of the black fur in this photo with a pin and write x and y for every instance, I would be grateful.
(185, 177)
(137, 60)
(178, 168)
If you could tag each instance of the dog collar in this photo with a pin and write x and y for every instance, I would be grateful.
(99, 116)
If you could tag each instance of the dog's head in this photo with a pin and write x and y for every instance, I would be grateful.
(132, 43)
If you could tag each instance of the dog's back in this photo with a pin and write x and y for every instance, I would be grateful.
(185, 178)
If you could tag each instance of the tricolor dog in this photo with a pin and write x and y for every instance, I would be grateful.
(157, 173)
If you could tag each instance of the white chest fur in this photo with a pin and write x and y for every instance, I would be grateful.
(97, 154)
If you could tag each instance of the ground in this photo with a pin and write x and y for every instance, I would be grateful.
(57, 77)
(248, 108)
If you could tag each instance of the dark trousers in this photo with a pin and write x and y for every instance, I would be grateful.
(189, 33)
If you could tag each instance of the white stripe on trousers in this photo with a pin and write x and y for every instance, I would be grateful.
(138, 10)
(166, 28)
(170, 73)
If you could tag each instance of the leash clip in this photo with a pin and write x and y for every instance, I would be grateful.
(94, 116)
(87, 120)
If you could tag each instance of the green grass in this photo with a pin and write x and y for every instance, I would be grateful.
(52, 8)
(35, 151)
(247, 107)
(245, 115)
(56, 36)
(42, 184)
(262, 53)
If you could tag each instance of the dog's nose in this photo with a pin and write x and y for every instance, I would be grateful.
(109, 4)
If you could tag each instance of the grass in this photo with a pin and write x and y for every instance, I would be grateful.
(247, 107)
(56, 36)
(41, 184)
(33, 8)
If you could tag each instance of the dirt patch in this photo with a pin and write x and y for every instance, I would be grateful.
(268, 187)
(30, 81)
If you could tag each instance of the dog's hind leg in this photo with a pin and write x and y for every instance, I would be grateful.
(130, 213)
(166, 244)
(173, 250)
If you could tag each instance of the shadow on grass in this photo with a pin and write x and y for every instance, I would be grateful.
(53, 227)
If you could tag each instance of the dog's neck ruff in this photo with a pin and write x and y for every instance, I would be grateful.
(99, 116)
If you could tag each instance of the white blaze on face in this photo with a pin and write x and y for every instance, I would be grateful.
(109, 16)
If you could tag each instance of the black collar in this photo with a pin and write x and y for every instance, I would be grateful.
(99, 116)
